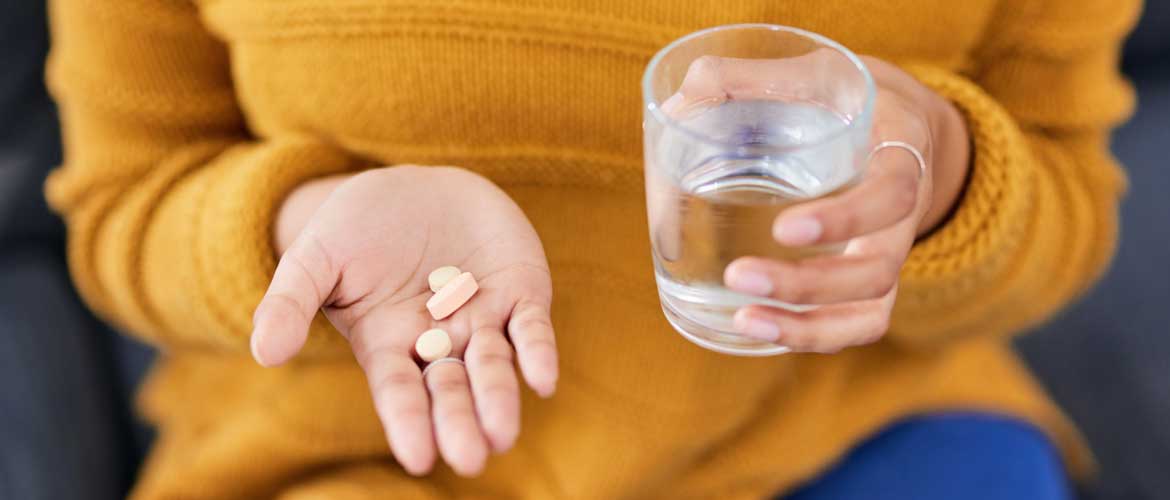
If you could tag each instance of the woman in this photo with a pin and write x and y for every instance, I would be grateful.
(223, 183)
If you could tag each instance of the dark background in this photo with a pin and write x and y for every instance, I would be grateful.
(1106, 359)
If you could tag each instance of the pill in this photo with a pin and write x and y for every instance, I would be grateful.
(433, 344)
(441, 276)
(452, 296)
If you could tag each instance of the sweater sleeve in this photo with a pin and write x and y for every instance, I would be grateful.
(1037, 222)
(167, 197)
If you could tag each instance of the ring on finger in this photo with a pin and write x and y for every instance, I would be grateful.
(440, 361)
(906, 146)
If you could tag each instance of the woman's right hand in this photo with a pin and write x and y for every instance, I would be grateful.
(363, 255)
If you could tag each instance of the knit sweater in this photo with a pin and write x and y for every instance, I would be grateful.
(187, 123)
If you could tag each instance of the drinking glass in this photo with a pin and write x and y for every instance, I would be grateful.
(741, 122)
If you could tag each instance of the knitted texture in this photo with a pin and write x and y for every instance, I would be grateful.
(186, 124)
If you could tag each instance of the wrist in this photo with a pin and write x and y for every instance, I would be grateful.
(950, 158)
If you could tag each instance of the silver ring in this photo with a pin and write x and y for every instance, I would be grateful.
(439, 362)
(902, 145)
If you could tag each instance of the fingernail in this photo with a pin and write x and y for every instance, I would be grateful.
(797, 231)
(546, 390)
(749, 282)
(255, 345)
(757, 328)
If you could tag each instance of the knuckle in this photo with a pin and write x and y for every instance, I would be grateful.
(447, 384)
(278, 302)
(702, 77)
(395, 380)
(887, 277)
(498, 390)
(880, 289)
(847, 223)
(784, 290)
(310, 272)
(827, 53)
(532, 305)
(704, 65)
(529, 315)
(453, 413)
(365, 354)
(905, 195)
(795, 287)
(493, 357)
(407, 413)
(532, 322)
(311, 253)
(803, 294)
(536, 344)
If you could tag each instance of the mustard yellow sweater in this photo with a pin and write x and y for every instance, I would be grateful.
(186, 123)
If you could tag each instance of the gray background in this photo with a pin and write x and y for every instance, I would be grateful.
(65, 425)
(1106, 360)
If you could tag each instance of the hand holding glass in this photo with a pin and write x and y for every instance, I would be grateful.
(742, 122)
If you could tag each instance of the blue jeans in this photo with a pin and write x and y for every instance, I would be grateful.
(953, 456)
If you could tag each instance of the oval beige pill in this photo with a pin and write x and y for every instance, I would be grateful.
(433, 344)
(452, 296)
(441, 276)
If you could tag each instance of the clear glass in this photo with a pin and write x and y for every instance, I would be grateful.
(767, 116)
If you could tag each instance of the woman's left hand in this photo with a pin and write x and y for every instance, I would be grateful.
(879, 218)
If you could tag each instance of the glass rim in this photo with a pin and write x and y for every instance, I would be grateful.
(655, 111)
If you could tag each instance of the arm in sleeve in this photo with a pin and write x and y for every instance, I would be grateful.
(1037, 222)
(168, 199)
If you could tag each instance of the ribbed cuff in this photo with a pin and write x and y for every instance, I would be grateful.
(235, 253)
(948, 269)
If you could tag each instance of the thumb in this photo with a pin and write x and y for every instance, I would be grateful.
(303, 280)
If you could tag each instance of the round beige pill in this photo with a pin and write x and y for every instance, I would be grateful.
(441, 276)
(433, 344)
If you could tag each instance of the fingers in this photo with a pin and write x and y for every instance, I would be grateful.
(302, 282)
(825, 330)
(494, 387)
(701, 86)
(825, 280)
(402, 405)
(457, 430)
(877, 216)
(531, 331)
(664, 207)
(711, 80)
(887, 195)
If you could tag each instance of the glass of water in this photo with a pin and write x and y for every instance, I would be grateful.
(742, 122)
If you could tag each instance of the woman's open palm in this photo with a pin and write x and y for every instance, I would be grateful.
(364, 258)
